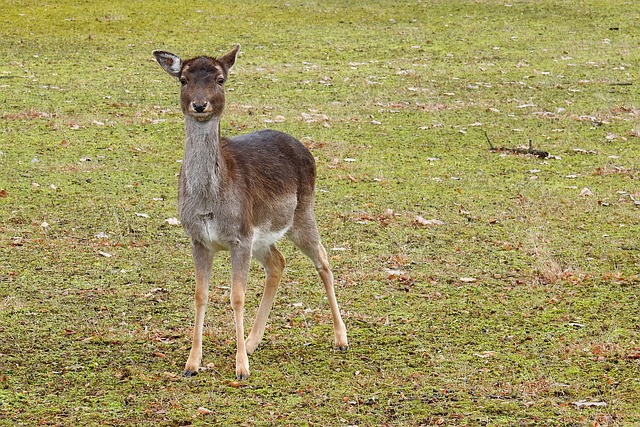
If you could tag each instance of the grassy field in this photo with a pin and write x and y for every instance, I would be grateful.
(479, 287)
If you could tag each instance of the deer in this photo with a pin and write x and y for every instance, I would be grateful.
(242, 195)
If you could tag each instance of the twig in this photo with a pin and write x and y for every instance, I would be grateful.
(489, 141)
(517, 150)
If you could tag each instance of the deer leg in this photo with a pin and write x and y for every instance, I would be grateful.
(203, 260)
(308, 241)
(273, 263)
(322, 265)
(240, 261)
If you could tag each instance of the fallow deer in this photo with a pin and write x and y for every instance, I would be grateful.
(241, 194)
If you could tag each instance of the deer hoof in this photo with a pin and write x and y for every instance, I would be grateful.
(242, 376)
(342, 347)
(189, 373)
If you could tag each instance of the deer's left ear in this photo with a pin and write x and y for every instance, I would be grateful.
(171, 63)
(230, 58)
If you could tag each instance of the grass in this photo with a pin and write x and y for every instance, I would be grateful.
(520, 302)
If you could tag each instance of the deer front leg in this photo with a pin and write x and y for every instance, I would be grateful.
(203, 260)
(240, 260)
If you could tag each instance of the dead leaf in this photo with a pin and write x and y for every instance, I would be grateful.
(236, 384)
(468, 279)
(634, 355)
(204, 411)
(428, 222)
(587, 404)
(172, 221)
(485, 354)
(585, 192)
(583, 151)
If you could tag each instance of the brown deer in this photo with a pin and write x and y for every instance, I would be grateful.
(242, 195)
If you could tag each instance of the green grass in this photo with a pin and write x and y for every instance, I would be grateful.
(397, 101)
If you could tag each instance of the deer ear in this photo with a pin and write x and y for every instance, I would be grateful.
(171, 63)
(230, 58)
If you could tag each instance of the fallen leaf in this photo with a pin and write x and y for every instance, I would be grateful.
(468, 279)
(236, 384)
(587, 404)
(172, 221)
(485, 354)
(204, 411)
(428, 222)
(105, 254)
(583, 151)
(585, 192)
(141, 215)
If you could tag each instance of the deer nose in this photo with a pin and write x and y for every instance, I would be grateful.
(199, 108)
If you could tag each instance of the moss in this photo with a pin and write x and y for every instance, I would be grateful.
(520, 302)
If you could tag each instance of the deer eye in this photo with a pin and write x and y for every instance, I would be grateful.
(183, 81)
(220, 81)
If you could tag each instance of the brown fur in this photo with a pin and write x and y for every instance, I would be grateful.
(241, 194)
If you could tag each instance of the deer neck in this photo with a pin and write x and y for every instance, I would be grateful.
(202, 166)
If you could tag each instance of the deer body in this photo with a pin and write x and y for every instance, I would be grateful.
(241, 194)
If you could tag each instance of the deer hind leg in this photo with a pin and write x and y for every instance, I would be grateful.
(308, 241)
(273, 263)
(203, 260)
(240, 261)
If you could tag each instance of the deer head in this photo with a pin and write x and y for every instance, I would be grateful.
(202, 79)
